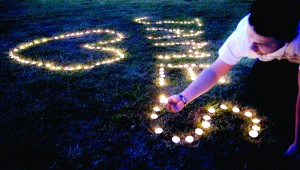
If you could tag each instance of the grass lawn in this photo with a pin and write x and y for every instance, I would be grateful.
(99, 117)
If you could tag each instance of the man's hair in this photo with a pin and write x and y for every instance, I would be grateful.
(278, 18)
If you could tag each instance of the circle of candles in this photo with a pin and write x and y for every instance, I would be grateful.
(189, 139)
(198, 131)
(175, 139)
(253, 133)
(158, 130)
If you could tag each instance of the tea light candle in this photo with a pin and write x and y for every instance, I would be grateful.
(175, 139)
(235, 109)
(163, 99)
(255, 120)
(223, 106)
(211, 110)
(156, 109)
(189, 139)
(158, 130)
(256, 127)
(154, 116)
(198, 131)
(248, 114)
(206, 117)
(205, 124)
(253, 133)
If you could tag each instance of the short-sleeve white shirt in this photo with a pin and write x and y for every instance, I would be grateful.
(237, 46)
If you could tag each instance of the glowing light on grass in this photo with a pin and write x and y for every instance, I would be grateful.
(156, 109)
(235, 109)
(255, 120)
(253, 133)
(256, 127)
(206, 117)
(211, 110)
(154, 116)
(163, 99)
(175, 139)
(223, 106)
(158, 130)
(205, 124)
(248, 114)
(222, 80)
(198, 131)
(189, 139)
(117, 53)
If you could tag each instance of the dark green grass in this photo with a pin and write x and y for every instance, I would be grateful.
(97, 119)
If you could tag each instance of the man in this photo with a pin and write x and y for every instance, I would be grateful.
(270, 34)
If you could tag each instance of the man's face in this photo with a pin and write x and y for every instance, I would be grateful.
(262, 45)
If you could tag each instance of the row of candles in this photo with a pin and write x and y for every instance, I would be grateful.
(117, 53)
(190, 69)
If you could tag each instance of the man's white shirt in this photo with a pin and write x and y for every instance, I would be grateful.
(237, 46)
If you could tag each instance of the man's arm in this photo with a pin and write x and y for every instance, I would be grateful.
(205, 81)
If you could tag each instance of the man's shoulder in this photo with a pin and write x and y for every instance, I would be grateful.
(243, 22)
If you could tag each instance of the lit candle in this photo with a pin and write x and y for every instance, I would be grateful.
(223, 106)
(154, 116)
(222, 80)
(211, 110)
(198, 131)
(256, 127)
(175, 139)
(253, 133)
(248, 114)
(206, 117)
(205, 124)
(255, 120)
(235, 109)
(189, 139)
(163, 99)
(156, 109)
(158, 130)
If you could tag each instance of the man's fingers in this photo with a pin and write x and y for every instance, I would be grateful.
(173, 99)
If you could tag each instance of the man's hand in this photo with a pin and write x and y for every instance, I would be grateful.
(175, 104)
